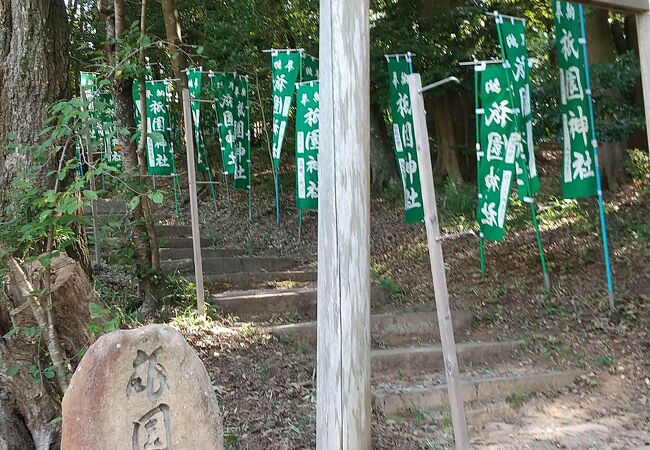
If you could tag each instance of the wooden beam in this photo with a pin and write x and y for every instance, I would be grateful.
(452, 372)
(620, 5)
(643, 33)
(194, 204)
(343, 411)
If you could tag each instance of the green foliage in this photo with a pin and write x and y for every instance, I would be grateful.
(638, 165)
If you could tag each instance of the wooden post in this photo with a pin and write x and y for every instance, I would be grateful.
(93, 204)
(343, 411)
(194, 204)
(643, 32)
(452, 372)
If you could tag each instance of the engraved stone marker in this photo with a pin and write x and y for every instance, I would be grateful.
(143, 389)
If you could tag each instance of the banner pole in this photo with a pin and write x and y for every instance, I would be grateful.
(533, 211)
(277, 196)
(176, 206)
(434, 243)
(214, 194)
(599, 186)
(478, 149)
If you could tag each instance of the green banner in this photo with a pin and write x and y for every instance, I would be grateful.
(107, 131)
(88, 91)
(307, 144)
(310, 71)
(286, 68)
(242, 174)
(498, 146)
(515, 52)
(224, 88)
(578, 166)
(160, 155)
(194, 84)
(399, 67)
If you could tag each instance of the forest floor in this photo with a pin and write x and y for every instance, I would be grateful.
(267, 388)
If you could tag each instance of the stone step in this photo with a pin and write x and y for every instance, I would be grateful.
(386, 329)
(107, 207)
(430, 359)
(268, 302)
(255, 278)
(231, 264)
(174, 231)
(181, 242)
(392, 400)
(167, 254)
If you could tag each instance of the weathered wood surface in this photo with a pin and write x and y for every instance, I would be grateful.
(438, 264)
(194, 205)
(643, 32)
(623, 5)
(343, 390)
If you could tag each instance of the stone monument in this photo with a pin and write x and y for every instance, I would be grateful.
(142, 389)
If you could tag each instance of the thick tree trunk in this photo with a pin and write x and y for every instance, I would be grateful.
(447, 128)
(602, 50)
(33, 74)
(33, 405)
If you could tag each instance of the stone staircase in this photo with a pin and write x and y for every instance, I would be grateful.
(406, 358)
(407, 363)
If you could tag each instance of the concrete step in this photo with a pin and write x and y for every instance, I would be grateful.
(268, 302)
(430, 359)
(386, 329)
(255, 278)
(392, 400)
(232, 264)
(167, 254)
(182, 242)
(174, 231)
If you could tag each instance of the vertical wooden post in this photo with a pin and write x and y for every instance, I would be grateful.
(643, 31)
(93, 204)
(452, 372)
(194, 204)
(343, 411)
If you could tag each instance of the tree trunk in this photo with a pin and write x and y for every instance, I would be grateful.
(602, 50)
(33, 74)
(34, 405)
(383, 167)
(175, 41)
(447, 127)
(141, 218)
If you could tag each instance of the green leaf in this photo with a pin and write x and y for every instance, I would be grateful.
(12, 371)
(11, 332)
(94, 328)
(199, 50)
(96, 311)
(156, 197)
(56, 420)
(134, 202)
(90, 195)
(49, 373)
(32, 331)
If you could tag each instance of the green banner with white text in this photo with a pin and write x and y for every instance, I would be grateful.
(515, 51)
(242, 174)
(578, 165)
(399, 67)
(498, 146)
(194, 84)
(224, 88)
(286, 69)
(307, 144)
